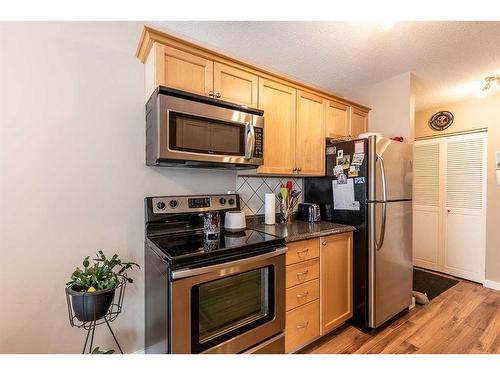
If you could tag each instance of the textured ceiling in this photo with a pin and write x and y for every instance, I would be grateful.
(448, 58)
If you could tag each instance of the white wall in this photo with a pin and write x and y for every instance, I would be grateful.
(72, 175)
(393, 106)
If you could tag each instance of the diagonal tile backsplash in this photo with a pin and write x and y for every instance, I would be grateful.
(252, 191)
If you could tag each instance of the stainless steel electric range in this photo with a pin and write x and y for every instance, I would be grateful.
(210, 296)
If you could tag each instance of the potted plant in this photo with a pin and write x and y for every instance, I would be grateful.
(92, 289)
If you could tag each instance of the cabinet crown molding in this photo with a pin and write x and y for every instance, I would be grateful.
(150, 35)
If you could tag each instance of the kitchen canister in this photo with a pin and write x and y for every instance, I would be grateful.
(211, 225)
(235, 221)
(270, 209)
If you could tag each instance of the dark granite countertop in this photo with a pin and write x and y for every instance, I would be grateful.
(298, 230)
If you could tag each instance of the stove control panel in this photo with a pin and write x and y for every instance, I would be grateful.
(193, 203)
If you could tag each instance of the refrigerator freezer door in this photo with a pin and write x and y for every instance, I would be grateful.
(397, 158)
(390, 266)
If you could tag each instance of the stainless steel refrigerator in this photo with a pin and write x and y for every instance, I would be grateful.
(368, 184)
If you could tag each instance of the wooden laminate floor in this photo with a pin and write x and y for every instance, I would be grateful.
(463, 319)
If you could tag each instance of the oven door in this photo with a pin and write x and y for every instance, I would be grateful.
(228, 308)
(201, 132)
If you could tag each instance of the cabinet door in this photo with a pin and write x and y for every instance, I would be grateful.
(359, 122)
(184, 71)
(310, 136)
(279, 104)
(235, 85)
(337, 119)
(336, 280)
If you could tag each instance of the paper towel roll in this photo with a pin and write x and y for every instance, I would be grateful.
(270, 208)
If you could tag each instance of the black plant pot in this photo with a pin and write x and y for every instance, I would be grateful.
(91, 306)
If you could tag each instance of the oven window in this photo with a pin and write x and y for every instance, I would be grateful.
(227, 307)
(207, 136)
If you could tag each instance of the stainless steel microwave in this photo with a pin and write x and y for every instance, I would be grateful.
(189, 130)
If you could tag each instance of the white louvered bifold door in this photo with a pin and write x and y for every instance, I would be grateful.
(464, 206)
(426, 204)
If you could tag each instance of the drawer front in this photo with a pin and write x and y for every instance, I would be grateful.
(301, 272)
(301, 294)
(302, 325)
(302, 250)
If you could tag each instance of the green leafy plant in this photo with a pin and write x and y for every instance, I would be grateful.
(99, 351)
(101, 275)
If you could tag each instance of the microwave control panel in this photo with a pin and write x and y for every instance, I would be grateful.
(259, 143)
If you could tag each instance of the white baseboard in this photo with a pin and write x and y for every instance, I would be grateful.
(491, 284)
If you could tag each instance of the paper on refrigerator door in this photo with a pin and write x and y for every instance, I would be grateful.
(343, 196)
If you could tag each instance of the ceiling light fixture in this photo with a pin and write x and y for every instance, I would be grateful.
(387, 24)
(488, 84)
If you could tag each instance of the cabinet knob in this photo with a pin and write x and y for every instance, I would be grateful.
(211, 93)
(218, 95)
(324, 243)
(299, 169)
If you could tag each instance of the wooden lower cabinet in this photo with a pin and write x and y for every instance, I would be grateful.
(301, 272)
(302, 325)
(318, 295)
(301, 294)
(302, 250)
(336, 280)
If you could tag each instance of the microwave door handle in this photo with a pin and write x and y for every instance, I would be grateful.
(249, 140)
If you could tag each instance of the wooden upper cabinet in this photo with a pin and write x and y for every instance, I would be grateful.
(183, 70)
(279, 104)
(235, 85)
(359, 122)
(336, 280)
(337, 120)
(310, 134)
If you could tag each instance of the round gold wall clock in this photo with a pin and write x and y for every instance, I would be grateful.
(441, 120)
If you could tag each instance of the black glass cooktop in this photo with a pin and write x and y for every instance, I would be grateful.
(187, 249)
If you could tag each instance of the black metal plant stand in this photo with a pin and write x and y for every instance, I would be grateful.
(114, 310)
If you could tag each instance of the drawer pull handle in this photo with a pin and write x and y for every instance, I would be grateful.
(303, 325)
(300, 274)
(300, 252)
(302, 295)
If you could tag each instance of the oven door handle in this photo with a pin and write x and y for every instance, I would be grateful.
(188, 272)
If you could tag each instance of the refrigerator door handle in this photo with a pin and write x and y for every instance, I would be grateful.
(384, 181)
(380, 242)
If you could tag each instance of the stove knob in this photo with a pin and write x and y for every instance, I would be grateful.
(173, 203)
(160, 205)
(222, 200)
(231, 201)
